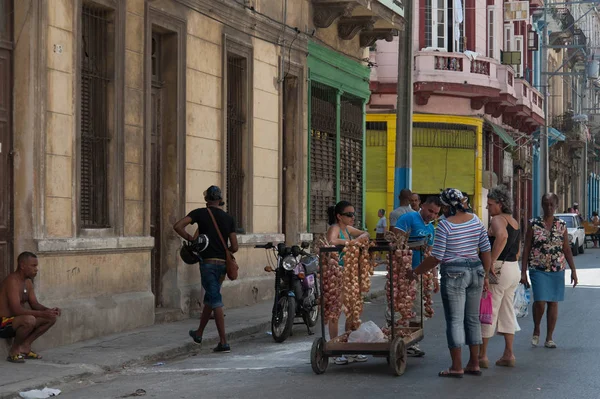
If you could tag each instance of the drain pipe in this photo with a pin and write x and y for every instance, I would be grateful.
(282, 138)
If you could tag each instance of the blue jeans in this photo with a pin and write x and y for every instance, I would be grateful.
(461, 287)
(212, 277)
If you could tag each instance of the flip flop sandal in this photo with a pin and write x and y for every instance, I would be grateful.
(484, 364)
(535, 340)
(15, 358)
(550, 344)
(473, 372)
(505, 363)
(31, 355)
(449, 374)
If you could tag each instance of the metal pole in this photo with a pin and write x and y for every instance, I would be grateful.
(544, 178)
(402, 173)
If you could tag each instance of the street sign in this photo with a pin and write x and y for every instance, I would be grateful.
(516, 11)
(510, 57)
(394, 5)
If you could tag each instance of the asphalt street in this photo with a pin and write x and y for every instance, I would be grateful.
(258, 367)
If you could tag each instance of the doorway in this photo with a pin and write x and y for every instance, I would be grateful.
(155, 167)
(6, 159)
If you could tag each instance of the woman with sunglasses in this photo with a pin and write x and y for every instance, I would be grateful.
(341, 230)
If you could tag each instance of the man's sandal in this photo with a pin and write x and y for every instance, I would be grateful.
(31, 355)
(18, 358)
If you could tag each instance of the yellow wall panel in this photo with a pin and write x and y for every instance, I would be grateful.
(437, 168)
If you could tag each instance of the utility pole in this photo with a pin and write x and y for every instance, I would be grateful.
(544, 180)
(402, 171)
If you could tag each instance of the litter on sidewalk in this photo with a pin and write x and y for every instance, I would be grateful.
(40, 394)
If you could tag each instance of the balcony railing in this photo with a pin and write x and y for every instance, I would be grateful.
(527, 95)
(448, 63)
(480, 67)
(506, 77)
(433, 66)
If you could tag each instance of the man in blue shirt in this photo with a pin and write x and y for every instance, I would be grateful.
(421, 230)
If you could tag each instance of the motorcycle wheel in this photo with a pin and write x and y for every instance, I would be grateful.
(313, 316)
(286, 311)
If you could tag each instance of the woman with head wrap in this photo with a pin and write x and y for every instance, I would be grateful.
(462, 248)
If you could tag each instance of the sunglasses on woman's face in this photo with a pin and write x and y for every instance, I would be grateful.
(349, 214)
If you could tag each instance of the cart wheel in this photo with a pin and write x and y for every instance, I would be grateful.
(318, 360)
(398, 356)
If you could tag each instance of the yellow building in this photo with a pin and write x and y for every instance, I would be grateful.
(446, 152)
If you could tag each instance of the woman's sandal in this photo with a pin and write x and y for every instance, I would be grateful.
(450, 374)
(31, 355)
(506, 362)
(550, 344)
(473, 372)
(535, 340)
(18, 358)
(484, 364)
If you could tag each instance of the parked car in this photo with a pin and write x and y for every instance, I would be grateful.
(576, 231)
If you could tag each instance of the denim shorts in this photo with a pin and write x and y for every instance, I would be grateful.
(461, 287)
(212, 277)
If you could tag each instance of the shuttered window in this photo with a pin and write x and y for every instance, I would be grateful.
(236, 129)
(323, 132)
(96, 78)
(351, 154)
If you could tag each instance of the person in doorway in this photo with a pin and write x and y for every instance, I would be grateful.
(462, 247)
(25, 325)
(545, 253)
(213, 265)
(415, 202)
(381, 226)
(404, 207)
(419, 226)
(341, 230)
(504, 276)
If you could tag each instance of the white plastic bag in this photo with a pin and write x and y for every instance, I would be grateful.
(521, 301)
(517, 326)
(40, 394)
(367, 332)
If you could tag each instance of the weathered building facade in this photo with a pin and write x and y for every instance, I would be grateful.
(116, 115)
(474, 110)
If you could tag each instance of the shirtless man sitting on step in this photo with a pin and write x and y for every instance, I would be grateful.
(25, 324)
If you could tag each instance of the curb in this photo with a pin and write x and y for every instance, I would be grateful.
(176, 351)
(165, 354)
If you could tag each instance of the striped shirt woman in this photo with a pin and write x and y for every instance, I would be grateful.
(456, 241)
(460, 242)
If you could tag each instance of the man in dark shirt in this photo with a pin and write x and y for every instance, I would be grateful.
(212, 267)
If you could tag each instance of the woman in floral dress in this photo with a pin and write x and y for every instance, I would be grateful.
(546, 249)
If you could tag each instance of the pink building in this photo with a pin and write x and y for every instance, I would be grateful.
(460, 80)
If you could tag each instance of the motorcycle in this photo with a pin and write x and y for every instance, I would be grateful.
(296, 288)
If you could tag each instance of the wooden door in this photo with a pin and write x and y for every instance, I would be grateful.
(6, 161)
(155, 208)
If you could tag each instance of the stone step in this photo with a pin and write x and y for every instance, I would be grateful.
(168, 315)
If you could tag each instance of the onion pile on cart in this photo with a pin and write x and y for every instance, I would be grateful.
(343, 289)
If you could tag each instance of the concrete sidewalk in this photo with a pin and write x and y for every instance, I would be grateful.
(160, 342)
